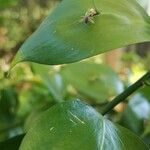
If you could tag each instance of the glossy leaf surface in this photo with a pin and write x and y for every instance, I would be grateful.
(74, 125)
(64, 36)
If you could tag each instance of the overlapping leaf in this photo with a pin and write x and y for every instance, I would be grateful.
(138, 110)
(94, 81)
(12, 143)
(74, 125)
(64, 36)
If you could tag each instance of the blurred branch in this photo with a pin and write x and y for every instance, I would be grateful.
(130, 90)
(99, 105)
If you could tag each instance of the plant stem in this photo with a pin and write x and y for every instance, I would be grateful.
(131, 89)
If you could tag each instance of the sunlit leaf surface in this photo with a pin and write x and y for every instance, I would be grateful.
(73, 125)
(66, 37)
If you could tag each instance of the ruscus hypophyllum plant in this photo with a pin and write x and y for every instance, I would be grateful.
(62, 38)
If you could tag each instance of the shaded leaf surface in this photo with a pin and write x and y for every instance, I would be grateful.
(74, 125)
(7, 3)
(146, 92)
(51, 80)
(12, 143)
(64, 37)
(89, 79)
(137, 111)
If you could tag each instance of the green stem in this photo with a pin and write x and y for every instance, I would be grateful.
(131, 89)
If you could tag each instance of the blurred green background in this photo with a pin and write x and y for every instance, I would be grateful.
(32, 88)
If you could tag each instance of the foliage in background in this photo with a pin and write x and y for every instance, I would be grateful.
(33, 88)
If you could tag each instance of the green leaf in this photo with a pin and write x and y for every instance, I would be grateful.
(73, 125)
(147, 130)
(7, 3)
(91, 80)
(12, 143)
(138, 110)
(64, 37)
(51, 80)
(145, 92)
(8, 102)
(146, 134)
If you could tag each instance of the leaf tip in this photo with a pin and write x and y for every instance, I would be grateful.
(17, 59)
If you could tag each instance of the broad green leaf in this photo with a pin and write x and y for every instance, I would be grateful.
(51, 80)
(94, 81)
(64, 36)
(138, 110)
(12, 143)
(73, 125)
